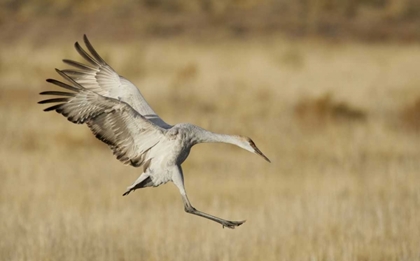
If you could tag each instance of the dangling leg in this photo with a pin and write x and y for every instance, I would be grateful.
(143, 181)
(225, 223)
(178, 179)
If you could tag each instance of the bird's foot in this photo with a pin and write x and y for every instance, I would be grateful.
(232, 224)
(129, 189)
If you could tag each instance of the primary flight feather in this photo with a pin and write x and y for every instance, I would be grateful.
(117, 114)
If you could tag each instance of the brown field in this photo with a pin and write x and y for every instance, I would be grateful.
(337, 120)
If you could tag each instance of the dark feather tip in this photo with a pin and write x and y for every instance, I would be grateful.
(54, 100)
(52, 108)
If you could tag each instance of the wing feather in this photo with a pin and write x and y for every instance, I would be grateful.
(99, 77)
(85, 55)
(129, 135)
(57, 93)
(79, 65)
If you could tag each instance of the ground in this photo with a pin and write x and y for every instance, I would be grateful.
(335, 119)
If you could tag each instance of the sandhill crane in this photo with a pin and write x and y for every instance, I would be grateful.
(117, 114)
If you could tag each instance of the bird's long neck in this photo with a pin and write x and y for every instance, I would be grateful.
(205, 136)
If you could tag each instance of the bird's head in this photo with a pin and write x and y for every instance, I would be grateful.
(249, 145)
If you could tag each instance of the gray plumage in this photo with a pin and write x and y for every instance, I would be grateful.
(117, 114)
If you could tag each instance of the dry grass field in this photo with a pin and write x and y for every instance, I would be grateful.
(337, 120)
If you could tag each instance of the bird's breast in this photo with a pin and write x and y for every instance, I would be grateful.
(183, 155)
(171, 151)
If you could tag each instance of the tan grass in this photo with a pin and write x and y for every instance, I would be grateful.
(372, 20)
(410, 115)
(317, 112)
(343, 192)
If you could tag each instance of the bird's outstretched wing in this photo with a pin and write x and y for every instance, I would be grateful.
(130, 135)
(99, 77)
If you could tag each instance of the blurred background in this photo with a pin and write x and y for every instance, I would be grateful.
(328, 89)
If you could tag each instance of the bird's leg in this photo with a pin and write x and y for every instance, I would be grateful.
(143, 181)
(225, 223)
(178, 179)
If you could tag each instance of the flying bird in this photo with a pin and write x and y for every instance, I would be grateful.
(117, 114)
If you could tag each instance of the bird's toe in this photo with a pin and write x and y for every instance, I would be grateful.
(233, 224)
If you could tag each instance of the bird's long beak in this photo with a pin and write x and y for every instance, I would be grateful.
(261, 154)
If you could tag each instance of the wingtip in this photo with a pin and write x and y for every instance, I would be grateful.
(52, 108)
(85, 39)
(45, 92)
(67, 61)
(61, 73)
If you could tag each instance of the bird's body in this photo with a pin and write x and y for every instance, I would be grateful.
(117, 113)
